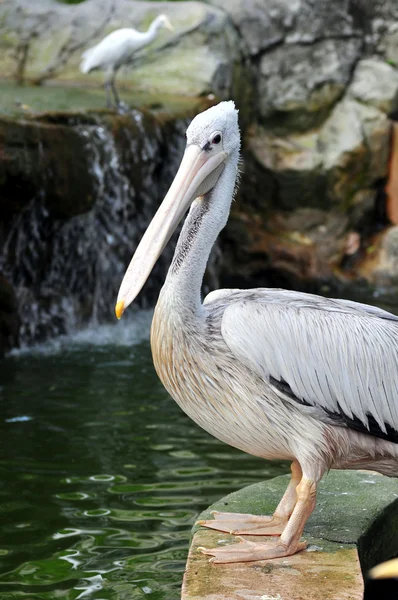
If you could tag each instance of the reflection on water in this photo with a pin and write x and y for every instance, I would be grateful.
(102, 475)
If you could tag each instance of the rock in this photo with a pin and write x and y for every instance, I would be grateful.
(391, 188)
(198, 58)
(377, 129)
(305, 54)
(375, 83)
(9, 320)
(330, 164)
(266, 23)
(355, 517)
(384, 30)
(261, 24)
(363, 205)
(295, 165)
(380, 266)
(305, 200)
(51, 158)
(314, 90)
(389, 248)
(300, 83)
(296, 249)
(86, 187)
(354, 142)
(390, 45)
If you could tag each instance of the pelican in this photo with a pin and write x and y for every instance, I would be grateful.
(116, 50)
(278, 374)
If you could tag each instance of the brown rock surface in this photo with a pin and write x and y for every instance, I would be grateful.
(352, 506)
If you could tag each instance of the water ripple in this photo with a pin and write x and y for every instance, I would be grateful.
(100, 489)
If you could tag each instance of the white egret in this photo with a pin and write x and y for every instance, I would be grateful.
(279, 374)
(116, 50)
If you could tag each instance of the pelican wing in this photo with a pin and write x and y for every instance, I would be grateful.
(336, 356)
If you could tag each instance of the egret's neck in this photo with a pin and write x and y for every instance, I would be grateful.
(207, 217)
(153, 30)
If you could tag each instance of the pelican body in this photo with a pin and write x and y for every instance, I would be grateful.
(275, 373)
(116, 50)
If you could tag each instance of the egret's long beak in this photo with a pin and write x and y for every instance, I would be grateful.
(198, 172)
(168, 25)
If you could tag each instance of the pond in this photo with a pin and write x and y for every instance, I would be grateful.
(102, 475)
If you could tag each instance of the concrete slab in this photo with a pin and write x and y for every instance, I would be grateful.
(350, 505)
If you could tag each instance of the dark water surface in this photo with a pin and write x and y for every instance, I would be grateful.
(102, 475)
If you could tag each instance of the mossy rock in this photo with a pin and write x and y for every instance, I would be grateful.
(198, 57)
(77, 191)
(354, 508)
(9, 320)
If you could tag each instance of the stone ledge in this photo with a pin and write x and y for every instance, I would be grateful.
(352, 506)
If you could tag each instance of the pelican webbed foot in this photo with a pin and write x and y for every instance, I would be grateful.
(247, 551)
(301, 497)
(237, 523)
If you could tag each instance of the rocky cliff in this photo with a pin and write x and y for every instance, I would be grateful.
(77, 194)
(317, 88)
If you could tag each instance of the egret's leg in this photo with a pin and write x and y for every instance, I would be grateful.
(107, 87)
(114, 90)
(289, 542)
(238, 523)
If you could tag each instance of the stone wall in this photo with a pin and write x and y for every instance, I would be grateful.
(317, 88)
(312, 210)
(77, 193)
(353, 528)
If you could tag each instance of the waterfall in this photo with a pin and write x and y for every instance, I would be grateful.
(66, 271)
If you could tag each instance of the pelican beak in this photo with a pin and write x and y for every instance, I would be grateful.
(168, 24)
(198, 173)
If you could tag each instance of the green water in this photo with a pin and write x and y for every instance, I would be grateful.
(102, 475)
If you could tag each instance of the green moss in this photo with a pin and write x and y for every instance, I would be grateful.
(353, 507)
(28, 101)
(348, 503)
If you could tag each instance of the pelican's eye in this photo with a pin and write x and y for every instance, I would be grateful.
(216, 139)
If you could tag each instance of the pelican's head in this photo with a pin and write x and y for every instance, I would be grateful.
(220, 121)
(212, 138)
(163, 21)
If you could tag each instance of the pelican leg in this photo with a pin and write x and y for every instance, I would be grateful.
(237, 523)
(289, 498)
(289, 542)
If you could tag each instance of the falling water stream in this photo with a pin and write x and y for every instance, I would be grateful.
(66, 270)
(102, 475)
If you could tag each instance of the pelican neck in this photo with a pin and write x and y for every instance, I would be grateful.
(207, 217)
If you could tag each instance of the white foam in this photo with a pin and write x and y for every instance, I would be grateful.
(126, 332)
